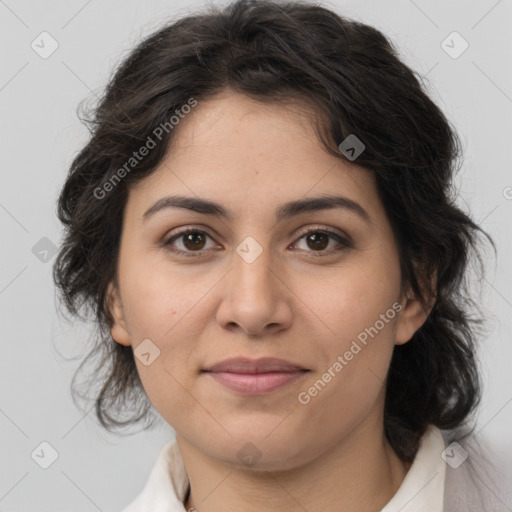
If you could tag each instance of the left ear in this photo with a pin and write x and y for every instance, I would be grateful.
(413, 314)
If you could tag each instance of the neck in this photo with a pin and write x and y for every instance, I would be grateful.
(360, 473)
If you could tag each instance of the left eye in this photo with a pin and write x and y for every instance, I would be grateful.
(193, 241)
(318, 240)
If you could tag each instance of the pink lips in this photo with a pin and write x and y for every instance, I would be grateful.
(255, 376)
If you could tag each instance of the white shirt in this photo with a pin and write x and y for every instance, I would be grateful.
(422, 489)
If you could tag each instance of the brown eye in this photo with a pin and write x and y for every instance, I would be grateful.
(194, 240)
(188, 242)
(317, 240)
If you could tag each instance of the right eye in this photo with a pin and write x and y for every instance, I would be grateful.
(192, 241)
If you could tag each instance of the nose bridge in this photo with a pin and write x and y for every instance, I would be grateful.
(252, 276)
(253, 297)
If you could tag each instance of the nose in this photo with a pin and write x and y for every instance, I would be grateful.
(255, 297)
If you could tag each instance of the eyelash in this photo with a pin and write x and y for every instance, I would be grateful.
(345, 243)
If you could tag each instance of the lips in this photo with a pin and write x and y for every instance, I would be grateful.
(255, 376)
(245, 365)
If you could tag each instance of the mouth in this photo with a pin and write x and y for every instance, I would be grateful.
(255, 376)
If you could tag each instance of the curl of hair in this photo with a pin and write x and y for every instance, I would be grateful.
(352, 76)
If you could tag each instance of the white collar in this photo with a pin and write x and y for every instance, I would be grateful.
(422, 489)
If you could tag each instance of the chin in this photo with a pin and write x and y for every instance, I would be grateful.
(256, 450)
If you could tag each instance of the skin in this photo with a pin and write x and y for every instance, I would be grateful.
(330, 454)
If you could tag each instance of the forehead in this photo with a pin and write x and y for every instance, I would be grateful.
(251, 155)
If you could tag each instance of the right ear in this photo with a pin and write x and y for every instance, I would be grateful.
(118, 330)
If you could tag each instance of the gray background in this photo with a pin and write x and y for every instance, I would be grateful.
(40, 134)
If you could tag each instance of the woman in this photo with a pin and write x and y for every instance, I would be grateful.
(264, 227)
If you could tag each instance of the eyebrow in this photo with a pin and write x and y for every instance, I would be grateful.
(286, 210)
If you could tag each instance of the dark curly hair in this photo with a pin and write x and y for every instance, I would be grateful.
(352, 75)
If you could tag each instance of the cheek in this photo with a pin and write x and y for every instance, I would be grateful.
(351, 377)
(353, 298)
(169, 307)
(164, 306)
(357, 306)
(160, 298)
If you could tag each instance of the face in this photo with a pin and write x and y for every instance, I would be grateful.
(316, 285)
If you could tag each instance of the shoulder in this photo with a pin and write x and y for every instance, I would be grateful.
(477, 477)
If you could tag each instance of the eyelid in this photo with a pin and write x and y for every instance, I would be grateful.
(327, 229)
